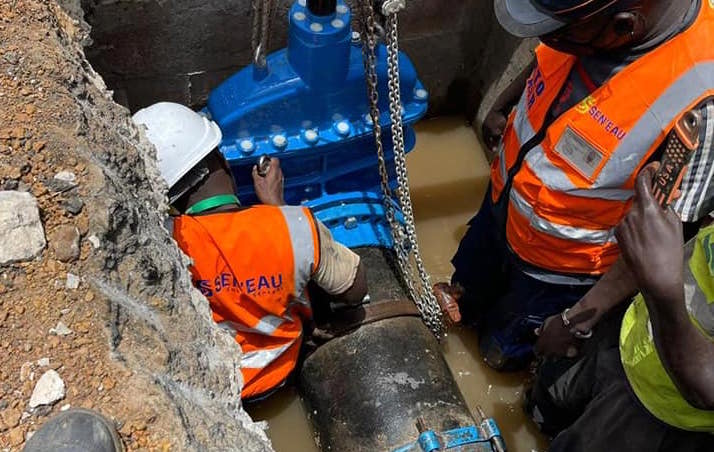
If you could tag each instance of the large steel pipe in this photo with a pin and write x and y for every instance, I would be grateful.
(366, 390)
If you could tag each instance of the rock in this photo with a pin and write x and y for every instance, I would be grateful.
(22, 236)
(16, 437)
(42, 410)
(60, 330)
(65, 407)
(65, 243)
(11, 57)
(14, 173)
(25, 370)
(62, 182)
(10, 185)
(44, 362)
(73, 205)
(11, 418)
(38, 146)
(48, 390)
(108, 383)
(18, 132)
(72, 281)
(94, 240)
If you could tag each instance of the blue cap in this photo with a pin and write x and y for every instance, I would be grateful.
(530, 18)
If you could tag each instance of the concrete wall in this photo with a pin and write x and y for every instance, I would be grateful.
(504, 59)
(149, 50)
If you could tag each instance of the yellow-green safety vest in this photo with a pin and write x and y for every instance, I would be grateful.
(644, 370)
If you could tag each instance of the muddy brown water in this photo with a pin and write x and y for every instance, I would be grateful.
(448, 176)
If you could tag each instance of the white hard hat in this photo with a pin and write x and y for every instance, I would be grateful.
(182, 137)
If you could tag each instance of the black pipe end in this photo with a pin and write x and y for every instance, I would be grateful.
(322, 7)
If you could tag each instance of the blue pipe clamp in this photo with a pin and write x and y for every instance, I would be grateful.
(309, 108)
(463, 439)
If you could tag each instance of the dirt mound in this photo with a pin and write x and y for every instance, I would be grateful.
(108, 303)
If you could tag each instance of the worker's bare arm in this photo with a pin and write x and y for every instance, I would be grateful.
(617, 286)
(652, 245)
(687, 355)
(340, 272)
(269, 188)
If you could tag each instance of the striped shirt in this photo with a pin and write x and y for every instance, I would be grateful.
(697, 198)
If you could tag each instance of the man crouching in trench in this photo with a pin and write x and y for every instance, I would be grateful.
(253, 264)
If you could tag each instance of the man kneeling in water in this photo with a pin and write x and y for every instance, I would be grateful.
(252, 264)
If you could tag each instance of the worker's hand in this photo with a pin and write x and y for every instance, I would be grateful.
(556, 339)
(269, 188)
(651, 241)
(492, 129)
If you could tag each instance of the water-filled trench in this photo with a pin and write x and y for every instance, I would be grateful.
(448, 175)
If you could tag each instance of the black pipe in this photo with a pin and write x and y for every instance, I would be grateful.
(365, 390)
(322, 7)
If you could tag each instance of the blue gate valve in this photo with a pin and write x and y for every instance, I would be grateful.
(308, 106)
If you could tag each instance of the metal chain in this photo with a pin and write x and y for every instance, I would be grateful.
(262, 21)
(255, 35)
(405, 240)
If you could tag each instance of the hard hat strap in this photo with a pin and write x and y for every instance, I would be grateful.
(212, 203)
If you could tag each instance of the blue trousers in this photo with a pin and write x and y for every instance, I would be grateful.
(501, 301)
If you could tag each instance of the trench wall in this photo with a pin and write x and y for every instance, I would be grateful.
(178, 50)
(105, 302)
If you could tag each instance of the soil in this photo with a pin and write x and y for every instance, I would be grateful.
(142, 348)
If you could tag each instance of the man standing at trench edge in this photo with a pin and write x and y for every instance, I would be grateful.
(609, 80)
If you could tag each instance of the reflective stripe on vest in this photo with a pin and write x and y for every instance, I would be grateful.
(260, 359)
(253, 266)
(575, 186)
(305, 247)
(265, 326)
(564, 232)
(643, 367)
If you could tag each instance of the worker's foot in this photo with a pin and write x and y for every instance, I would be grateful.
(76, 430)
(448, 296)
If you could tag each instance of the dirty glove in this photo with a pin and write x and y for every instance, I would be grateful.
(269, 188)
(651, 242)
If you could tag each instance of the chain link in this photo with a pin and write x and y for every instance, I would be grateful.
(405, 240)
(406, 244)
(263, 11)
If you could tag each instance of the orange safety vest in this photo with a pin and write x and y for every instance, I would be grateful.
(575, 186)
(253, 267)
